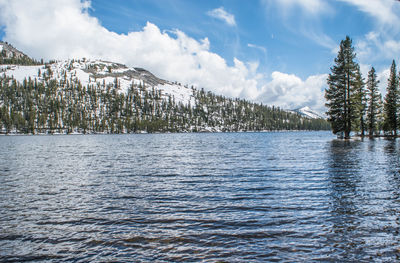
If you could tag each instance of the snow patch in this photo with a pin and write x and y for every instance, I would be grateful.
(21, 72)
(308, 112)
(82, 76)
(181, 94)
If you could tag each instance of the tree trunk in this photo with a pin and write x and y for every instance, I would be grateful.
(348, 113)
(362, 127)
(347, 134)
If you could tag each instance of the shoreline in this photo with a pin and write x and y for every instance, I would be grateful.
(359, 137)
(145, 132)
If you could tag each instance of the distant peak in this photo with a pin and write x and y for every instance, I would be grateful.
(306, 111)
(306, 108)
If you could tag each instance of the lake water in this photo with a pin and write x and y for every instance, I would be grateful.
(224, 197)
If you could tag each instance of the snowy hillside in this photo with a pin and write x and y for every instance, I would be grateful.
(97, 96)
(98, 72)
(309, 113)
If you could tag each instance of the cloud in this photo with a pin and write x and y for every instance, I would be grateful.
(302, 17)
(383, 10)
(312, 7)
(382, 43)
(60, 29)
(221, 14)
(378, 47)
(383, 77)
(263, 49)
(289, 91)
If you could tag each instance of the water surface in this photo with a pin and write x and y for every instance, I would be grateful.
(233, 197)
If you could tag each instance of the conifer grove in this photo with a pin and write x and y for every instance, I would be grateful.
(355, 104)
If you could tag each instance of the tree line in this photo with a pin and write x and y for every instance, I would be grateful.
(66, 106)
(355, 104)
(49, 104)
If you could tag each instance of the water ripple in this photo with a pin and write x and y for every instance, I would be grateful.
(237, 197)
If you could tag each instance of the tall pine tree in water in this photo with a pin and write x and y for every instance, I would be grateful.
(340, 94)
(358, 103)
(373, 102)
(391, 102)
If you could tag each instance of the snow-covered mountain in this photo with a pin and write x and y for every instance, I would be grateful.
(93, 72)
(97, 96)
(309, 113)
(98, 72)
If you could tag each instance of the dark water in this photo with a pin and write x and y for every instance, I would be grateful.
(244, 197)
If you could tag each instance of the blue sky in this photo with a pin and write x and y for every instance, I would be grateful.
(271, 51)
(290, 38)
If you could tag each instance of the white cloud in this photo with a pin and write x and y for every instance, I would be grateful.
(383, 10)
(383, 77)
(263, 49)
(376, 46)
(289, 91)
(382, 42)
(59, 29)
(221, 14)
(303, 17)
(309, 6)
(321, 39)
(392, 46)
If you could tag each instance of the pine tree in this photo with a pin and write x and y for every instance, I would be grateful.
(381, 114)
(358, 103)
(373, 102)
(391, 102)
(342, 86)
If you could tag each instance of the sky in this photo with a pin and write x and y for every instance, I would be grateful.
(275, 52)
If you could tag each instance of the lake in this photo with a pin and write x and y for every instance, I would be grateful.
(209, 197)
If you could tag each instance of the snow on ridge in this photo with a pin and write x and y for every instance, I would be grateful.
(121, 70)
(308, 112)
(84, 70)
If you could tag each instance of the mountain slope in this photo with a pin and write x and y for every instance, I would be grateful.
(95, 96)
(11, 55)
(98, 72)
(309, 113)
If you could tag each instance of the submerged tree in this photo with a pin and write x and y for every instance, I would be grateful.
(373, 102)
(391, 102)
(342, 88)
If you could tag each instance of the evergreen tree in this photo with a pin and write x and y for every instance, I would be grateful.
(391, 102)
(358, 103)
(373, 102)
(340, 94)
(381, 114)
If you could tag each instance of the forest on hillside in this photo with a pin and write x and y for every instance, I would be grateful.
(65, 105)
